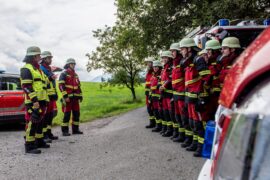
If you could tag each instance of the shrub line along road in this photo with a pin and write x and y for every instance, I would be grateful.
(111, 148)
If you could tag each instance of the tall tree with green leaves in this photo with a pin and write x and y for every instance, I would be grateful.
(145, 27)
(120, 52)
(167, 21)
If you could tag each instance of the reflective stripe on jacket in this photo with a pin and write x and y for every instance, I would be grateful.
(38, 83)
(69, 84)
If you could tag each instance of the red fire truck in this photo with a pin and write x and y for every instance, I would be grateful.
(241, 147)
(11, 98)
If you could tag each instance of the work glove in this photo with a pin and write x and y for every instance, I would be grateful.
(199, 106)
(81, 99)
(36, 116)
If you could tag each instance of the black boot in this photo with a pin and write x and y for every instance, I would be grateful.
(180, 138)
(193, 145)
(47, 139)
(157, 128)
(169, 131)
(65, 131)
(164, 129)
(66, 134)
(31, 148)
(175, 133)
(198, 152)
(51, 136)
(187, 142)
(152, 124)
(76, 130)
(41, 143)
(166, 122)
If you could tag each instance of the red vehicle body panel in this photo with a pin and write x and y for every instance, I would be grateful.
(12, 103)
(253, 62)
(12, 108)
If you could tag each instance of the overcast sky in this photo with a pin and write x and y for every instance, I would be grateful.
(63, 27)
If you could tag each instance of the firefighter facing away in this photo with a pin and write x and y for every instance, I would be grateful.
(154, 96)
(178, 86)
(166, 94)
(46, 60)
(70, 87)
(34, 85)
(148, 76)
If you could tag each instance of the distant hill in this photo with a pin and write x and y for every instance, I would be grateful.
(99, 78)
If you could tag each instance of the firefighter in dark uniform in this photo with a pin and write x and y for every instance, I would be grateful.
(46, 60)
(213, 48)
(203, 103)
(148, 76)
(154, 96)
(70, 87)
(167, 94)
(34, 85)
(178, 86)
(231, 49)
(195, 71)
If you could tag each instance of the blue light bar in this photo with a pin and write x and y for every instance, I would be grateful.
(223, 22)
(266, 22)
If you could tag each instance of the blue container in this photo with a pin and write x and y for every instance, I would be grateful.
(223, 22)
(209, 132)
(208, 139)
(266, 22)
(207, 149)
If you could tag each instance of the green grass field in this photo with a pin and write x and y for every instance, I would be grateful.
(104, 102)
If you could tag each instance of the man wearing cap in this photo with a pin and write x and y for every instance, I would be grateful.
(148, 76)
(34, 85)
(195, 70)
(231, 49)
(70, 87)
(178, 85)
(155, 95)
(167, 94)
(46, 60)
(213, 48)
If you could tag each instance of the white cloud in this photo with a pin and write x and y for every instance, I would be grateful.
(63, 27)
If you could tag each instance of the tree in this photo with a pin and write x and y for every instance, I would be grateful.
(119, 54)
(167, 21)
(145, 27)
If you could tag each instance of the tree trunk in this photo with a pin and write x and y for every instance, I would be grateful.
(133, 93)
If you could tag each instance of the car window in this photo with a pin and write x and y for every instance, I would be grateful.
(232, 159)
(10, 84)
(261, 156)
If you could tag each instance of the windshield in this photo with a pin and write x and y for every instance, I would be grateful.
(10, 84)
(261, 157)
(233, 162)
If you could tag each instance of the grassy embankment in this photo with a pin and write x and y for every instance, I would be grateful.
(104, 102)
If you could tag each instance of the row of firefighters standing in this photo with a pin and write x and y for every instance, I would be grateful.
(182, 91)
(39, 86)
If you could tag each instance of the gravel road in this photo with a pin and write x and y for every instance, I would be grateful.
(111, 148)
